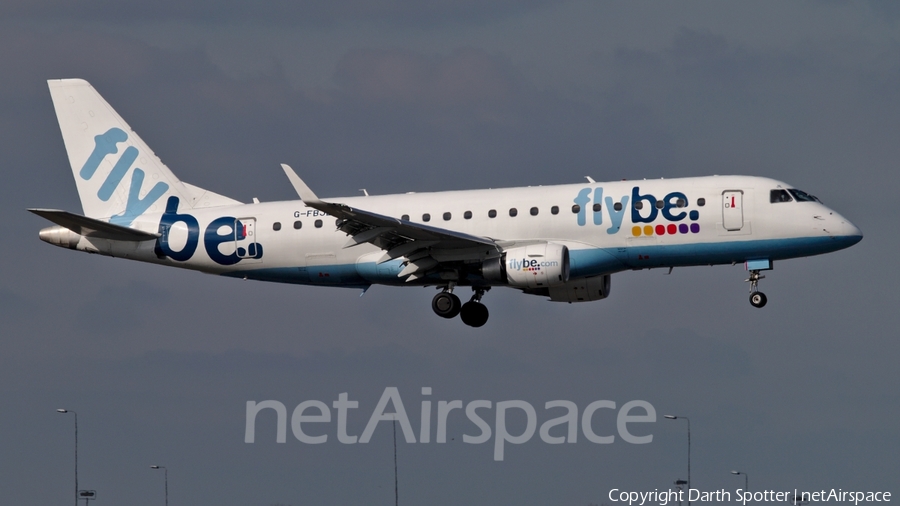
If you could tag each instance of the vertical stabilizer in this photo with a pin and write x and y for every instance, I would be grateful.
(118, 177)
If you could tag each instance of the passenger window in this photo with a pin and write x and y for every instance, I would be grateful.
(426, 217)
(680, 203)
(298, 225)
(405, 217)
(467, 215)
(318, 223)
(638, 205)
(276, 226)
(554, 210)
(597, 208)
(513, 212)
(576, 209)
(617, 206)
(660, 204)
(534, 211)
(701, 202)
(492, 213)
(447, 216)
(778, 196)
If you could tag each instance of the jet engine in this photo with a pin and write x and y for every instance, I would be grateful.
(530, 267)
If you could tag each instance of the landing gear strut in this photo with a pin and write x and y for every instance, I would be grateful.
(757, 298)
(474, 313)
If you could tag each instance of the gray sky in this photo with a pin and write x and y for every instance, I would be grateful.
(415, 96)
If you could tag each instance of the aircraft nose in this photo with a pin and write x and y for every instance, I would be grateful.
(847, 230)
(851, 230)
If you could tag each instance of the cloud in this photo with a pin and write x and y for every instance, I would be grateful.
(278, 12)
(464, 78)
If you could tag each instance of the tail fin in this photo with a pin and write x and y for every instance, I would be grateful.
(116, 188)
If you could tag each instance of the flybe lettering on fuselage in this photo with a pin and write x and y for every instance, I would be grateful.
(107, 144)
(221, 230)
(644, 209)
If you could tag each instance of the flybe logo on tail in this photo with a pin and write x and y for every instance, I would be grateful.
(644, 209)
(107, 144)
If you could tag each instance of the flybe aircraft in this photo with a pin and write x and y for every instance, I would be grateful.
(560, 242)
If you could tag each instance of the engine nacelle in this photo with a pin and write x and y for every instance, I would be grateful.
(581, 289)
(535, 266)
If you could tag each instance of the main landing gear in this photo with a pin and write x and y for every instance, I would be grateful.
(446, 304)
(473, 313)
(757, 298)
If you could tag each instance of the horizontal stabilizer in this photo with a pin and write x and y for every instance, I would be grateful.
(90, 227)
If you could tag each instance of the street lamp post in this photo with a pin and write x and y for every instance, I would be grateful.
(76, 449)
(396, 488)
(746, 482)
(673, 417)
(679, 484)
(167, 480)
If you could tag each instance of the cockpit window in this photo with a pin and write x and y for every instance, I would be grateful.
(802, 196)
(776, 196)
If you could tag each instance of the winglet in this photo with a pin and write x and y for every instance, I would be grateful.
(306, 195)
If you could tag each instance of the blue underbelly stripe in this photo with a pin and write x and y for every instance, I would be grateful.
(584, 262)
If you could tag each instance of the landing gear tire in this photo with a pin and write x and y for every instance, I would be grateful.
(474, 314)
(446, 305)
(758, 299)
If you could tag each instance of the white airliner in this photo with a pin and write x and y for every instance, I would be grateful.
(562, 242)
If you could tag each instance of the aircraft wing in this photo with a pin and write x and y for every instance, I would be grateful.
(426, 248)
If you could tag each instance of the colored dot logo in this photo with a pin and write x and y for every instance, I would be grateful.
(671, 228)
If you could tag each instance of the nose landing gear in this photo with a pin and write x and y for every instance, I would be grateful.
(757, 298)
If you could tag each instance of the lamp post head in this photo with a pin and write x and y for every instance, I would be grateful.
(62, 410)
(680, 482)
(157, 467)
(670, 417)
(736, 472)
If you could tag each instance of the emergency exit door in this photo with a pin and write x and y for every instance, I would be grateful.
(732, 209)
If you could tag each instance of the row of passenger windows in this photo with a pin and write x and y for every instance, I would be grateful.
(297, 225)
(513, 212)
(534, 211)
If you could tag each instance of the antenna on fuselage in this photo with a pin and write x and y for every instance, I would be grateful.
(590, 179)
